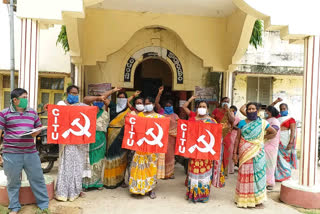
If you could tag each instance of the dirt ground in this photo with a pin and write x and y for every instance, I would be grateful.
(170, 199)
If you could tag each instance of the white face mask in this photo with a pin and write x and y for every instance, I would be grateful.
(140, 107)
(148, 107)
(202, 111)
(225, 103)
(121, 104)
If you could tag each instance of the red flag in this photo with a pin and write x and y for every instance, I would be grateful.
(198, 140)
(146, 134)
(71, 124)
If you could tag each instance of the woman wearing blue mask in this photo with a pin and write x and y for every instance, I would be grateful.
(73, 159)
(287, 156)
(167, 111)
(97, 150)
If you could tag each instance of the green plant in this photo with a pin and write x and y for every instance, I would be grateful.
(63, 39)
(256, 36)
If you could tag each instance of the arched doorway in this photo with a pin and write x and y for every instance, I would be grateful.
(150, 74)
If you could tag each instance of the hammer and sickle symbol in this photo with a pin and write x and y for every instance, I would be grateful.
(156, 139)
(84, 130)
(207, 148)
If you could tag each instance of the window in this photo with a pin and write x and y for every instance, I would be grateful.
(7, 90)
(51, 92)
(259, 89)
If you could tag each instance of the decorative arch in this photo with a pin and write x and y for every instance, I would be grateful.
(153, 51)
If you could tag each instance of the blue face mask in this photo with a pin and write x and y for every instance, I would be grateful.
(168, 110)
(266, 115)
(98, 104)
(284, 113)
(235, 113)
(72, 99)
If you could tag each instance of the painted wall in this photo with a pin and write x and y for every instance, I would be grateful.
(289, 88)
(214, 40)
(112, 70)
(51, 57)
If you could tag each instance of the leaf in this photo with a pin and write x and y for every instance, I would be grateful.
(63, 39)
(256, 36)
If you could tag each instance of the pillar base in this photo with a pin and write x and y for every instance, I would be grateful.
(300, 196)
(26, 196)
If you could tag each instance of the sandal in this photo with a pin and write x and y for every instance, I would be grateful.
(124, 185)
(269, 187)
(152, 195)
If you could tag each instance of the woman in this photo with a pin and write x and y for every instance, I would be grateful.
(271, 146)
(251, 184)
(74, 161)
(233, 137)
(287, 158)
(143, 170)
(224, 116)
(199, 171)
(138, 103)
(116, 157)
(97, 150)
(168, 112)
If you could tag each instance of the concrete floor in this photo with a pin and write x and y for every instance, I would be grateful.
(170, 199)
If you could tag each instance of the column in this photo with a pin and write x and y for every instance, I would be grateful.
(29, 59)
(227, 84)
(305, 192)
(310, 110)
(79, 79)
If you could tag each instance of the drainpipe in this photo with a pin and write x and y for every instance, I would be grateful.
(12, 65)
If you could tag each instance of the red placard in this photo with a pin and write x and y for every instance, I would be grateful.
(71, 124)
(146, 134)
(198, 140)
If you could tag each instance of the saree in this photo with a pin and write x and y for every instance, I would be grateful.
(271, 150)
(233, 137)
(221, 115)
(114, 166)
(144, 167)
(199, 177)
(251, 182)
(97, 152)
(74, 164)
(169, 156)
(287, 159)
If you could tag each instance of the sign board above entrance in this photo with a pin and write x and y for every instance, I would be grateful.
(154, 52)
(206, 93)
(97, 89)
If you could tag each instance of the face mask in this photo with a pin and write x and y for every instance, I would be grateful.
(72, 99)
(252, 115)
(224, 103)
(140, 107)
(284, 113)
(148, 107)
(235, 113)
(168, 110)
(23, 103)
(266, 115)
(202, 111)
(121, 104)
(98, 104)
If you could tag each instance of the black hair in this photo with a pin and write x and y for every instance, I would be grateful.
(284, 104)
(234, 107)
(259, 105)
(18, 92)
(223, 98)
(274, 112)
(202, 101)
(122, 92)
(151, 99)
(71, 87)
(253, 103)
(168, 101)
(138, 98)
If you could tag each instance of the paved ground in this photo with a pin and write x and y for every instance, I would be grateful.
(170, 199)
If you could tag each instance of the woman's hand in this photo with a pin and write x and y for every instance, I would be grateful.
(192, 98)
(161, 89)
(116, 89)
(235, 158)
(137, 93)
(290, 145)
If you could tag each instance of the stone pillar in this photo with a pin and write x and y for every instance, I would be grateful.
(29, 59)
(306, 192)
(227, 84)
(79, 79)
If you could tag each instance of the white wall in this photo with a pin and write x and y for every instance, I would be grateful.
(51, 57)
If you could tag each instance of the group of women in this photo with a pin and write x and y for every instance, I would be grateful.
(262, 149)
